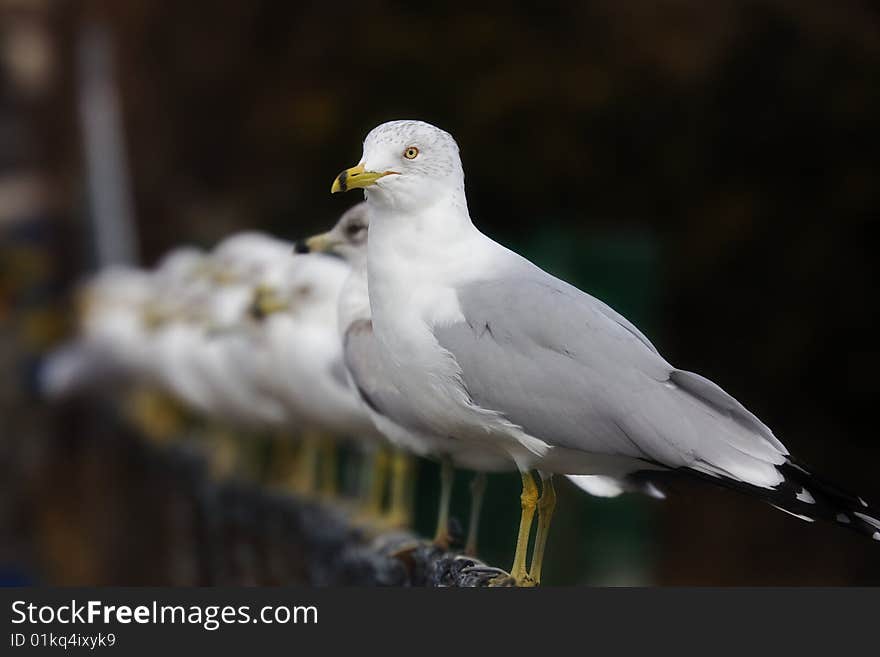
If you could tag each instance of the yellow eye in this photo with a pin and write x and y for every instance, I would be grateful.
(411, 153)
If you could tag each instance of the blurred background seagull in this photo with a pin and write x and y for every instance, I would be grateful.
(476, 342)
(110, 347)
(296, 344)
(244, 337)
(233, 271)
(347, 239)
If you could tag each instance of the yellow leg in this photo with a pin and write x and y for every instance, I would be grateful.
(282, 463)
(400, 504)
(366, 468)
(329, 467)
(249, 447)
(305, 475)
(156, 415)
(447, 478)
(374, 475)
(225, 459)
(478, 490)
(528, 500)
(410, 490)
(546, 505)
(378, 478)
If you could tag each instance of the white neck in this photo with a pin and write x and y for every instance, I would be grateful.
(421, 256)
(431, 232)
(354, 298)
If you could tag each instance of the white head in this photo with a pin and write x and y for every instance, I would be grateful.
(178, 279)
(242, 258)
(116, 288)
(407, 165)
(111, 306)
(304, 286)
(179, 265)
(347, 239)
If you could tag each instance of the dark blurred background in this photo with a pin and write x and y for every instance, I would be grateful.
(709, 169)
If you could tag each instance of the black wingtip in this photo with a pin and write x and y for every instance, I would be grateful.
(830, 502)
(801, 493)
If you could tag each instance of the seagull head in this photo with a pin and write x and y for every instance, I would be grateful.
(180, 265)
(241, 258)
(266, 301)
(407, 165)
(116, 289)
(305, 287)
(347, 239)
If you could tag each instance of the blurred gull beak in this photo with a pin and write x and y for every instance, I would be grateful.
(323, 243)
(266, 302)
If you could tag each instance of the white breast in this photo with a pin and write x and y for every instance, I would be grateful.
(414, 268)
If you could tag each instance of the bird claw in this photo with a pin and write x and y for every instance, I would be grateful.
(479, 574)
(505, 579)
(481, 569)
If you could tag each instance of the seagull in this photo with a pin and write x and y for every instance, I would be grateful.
(348, 240)
(176, 334)
(295, 343)
(233, 269)
(475, 341)
(132, 339)
(189, 322)
(109, 349)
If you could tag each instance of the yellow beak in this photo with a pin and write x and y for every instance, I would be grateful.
(356, 178)
(321, 243)
(265, 302)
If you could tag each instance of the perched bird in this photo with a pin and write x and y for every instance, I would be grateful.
(231, 272)
(474, 341)
(175, 334)
(122, 347)
(297, 352)
(109, 350)
(348, 239)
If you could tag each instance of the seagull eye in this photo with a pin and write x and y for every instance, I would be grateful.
(411, 153)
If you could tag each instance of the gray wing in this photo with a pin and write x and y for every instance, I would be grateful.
(367, 370)
(338, 372)
(571, 371)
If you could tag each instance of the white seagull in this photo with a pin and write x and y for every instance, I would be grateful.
(232, 271)
(479, 343)
(295, 349)
(110, 348)
(348, 239)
